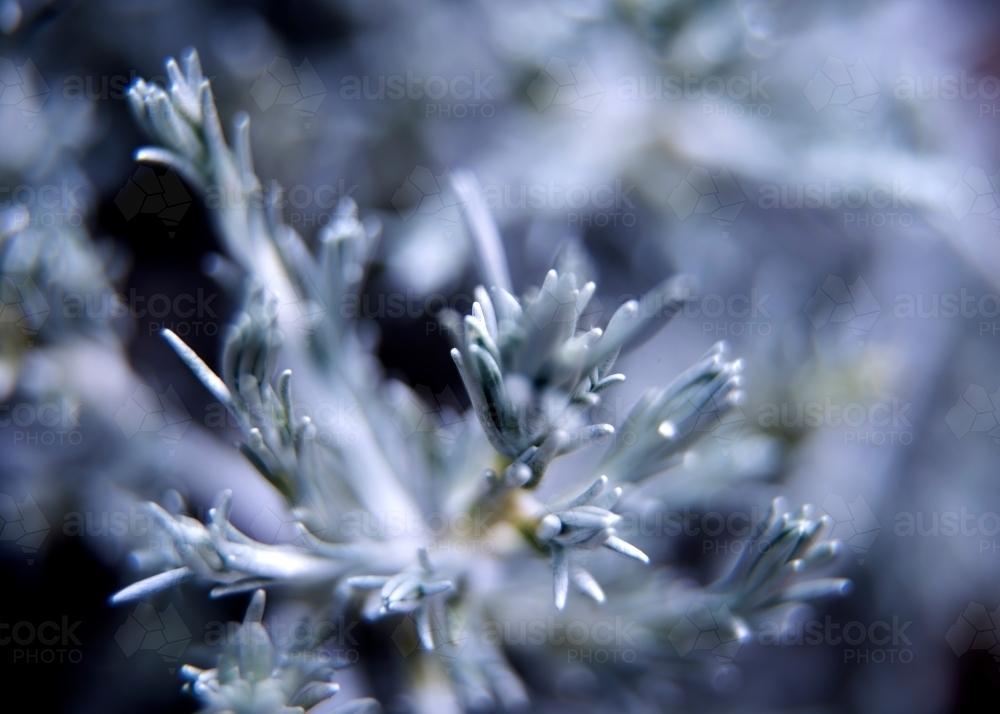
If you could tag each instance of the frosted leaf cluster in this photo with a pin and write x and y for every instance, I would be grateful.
(533, 370)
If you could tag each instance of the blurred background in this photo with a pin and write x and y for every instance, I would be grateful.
(828, 171)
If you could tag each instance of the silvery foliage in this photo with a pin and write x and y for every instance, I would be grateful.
(251, 677)
(583, 523)
(407, 592)
(40, 266)
(532, 372)
(765, 584)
